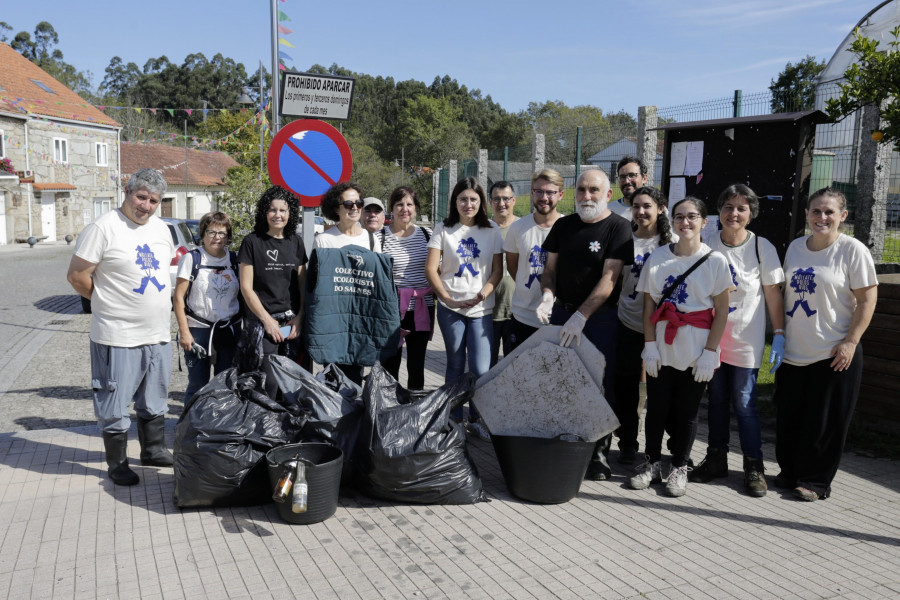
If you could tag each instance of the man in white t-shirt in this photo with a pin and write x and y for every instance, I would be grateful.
(632, 173)
(525, 258)
(121, 263)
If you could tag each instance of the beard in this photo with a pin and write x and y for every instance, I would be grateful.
(589, 212)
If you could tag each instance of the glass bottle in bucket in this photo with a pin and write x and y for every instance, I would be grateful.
(298, 501)
(283, 487)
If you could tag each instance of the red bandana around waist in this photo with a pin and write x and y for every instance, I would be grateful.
(701, 319)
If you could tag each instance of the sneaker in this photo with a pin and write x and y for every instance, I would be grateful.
(645, 474)
(479, 429)
(676, 483)
(805, 494)
(627, 456)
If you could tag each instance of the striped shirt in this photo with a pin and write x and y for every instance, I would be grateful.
(409, 259)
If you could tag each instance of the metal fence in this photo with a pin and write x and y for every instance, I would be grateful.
(835, 160)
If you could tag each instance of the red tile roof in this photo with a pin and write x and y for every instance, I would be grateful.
(21, 95)
(53, 187)
(204, 168)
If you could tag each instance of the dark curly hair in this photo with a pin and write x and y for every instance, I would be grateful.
(332, 199)
(261, 223)
(663, 225)
(481, 218)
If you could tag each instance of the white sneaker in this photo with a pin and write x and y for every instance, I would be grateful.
(676, 483)
(645, 474)
(479, 428)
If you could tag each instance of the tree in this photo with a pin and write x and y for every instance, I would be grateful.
(40, 50)
(238, 138)
(795, 88)
(873, 79)
(243, 188)
(559, 123)
(4, 27)
(433, 132)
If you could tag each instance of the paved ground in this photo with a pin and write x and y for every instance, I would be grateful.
(68, 533)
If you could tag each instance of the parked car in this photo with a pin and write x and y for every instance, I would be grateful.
(184, 243)
(318, 228)
(194, 226)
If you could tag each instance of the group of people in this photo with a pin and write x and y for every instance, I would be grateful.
(633, 276)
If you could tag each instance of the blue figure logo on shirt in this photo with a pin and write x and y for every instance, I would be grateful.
(803, 281)
(679, 295)
(536, 260)
(468, 251)
(147, 262)
(636, 267)
(734, 281)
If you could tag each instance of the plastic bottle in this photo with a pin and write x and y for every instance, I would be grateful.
(283, 488)
(298, 501)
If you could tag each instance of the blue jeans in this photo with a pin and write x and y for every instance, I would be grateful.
(465, 337)
(225, 344)
(734, 387)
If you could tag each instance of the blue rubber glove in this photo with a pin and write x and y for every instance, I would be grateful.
(776, 354)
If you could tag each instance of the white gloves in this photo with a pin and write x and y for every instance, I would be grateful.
(651, 358)
(572, 330)
(706, 366)
(545, 308)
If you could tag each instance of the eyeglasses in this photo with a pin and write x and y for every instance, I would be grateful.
(544, 193)
(627, 176)
(348, 204)
(217, 234)
(504, 199)
(692, 217)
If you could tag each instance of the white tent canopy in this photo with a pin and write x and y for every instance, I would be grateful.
(876, 25)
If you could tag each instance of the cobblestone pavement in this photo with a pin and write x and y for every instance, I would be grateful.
(66, 532)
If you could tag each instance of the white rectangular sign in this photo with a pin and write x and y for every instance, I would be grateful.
(316, 96)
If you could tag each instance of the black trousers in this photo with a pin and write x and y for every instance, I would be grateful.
(518, 333)
(416, 343)
(628, 382)
(814, 405)
(676, 401)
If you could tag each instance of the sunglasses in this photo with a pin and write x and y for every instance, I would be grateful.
(348, 204)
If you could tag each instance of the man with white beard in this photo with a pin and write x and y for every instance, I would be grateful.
(581, 282)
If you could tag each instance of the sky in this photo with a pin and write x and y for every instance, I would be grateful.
(616, 55)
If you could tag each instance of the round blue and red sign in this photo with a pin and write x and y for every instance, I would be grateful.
(308, 157)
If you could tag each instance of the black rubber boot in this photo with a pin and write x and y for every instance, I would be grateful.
(715, 465)
(598, 469)
(754, 478)
(117, 459)
(151, 433)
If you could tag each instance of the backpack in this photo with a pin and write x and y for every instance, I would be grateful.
(195, 269)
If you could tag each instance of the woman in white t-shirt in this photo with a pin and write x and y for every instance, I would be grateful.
(756, 272)
(682, 334)
(829, 299)
(208, 319)
(464, 266)
(407, 243)
(652, 229)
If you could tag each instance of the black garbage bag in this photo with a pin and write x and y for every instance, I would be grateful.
(222, 438)
(333, 403)
(409, 449)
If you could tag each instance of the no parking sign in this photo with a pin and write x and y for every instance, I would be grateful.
(308, 157)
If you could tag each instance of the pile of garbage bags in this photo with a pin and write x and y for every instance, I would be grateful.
(397, 445)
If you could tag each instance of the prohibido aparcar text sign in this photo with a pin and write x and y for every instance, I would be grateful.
(316, 96)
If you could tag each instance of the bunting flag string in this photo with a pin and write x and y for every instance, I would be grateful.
(21, 105)
(282, 30)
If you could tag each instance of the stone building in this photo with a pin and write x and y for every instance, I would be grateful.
(63, 154)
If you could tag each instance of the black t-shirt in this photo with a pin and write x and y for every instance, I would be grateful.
(275, 263)
(583, 248)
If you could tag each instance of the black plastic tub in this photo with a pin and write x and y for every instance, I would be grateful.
(543, 470)
(323, 479)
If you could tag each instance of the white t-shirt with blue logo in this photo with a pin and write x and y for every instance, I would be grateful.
(525, 238)
(695, 293)
(745, 332)
(631, 301)
(818, 296)
(466, 262)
